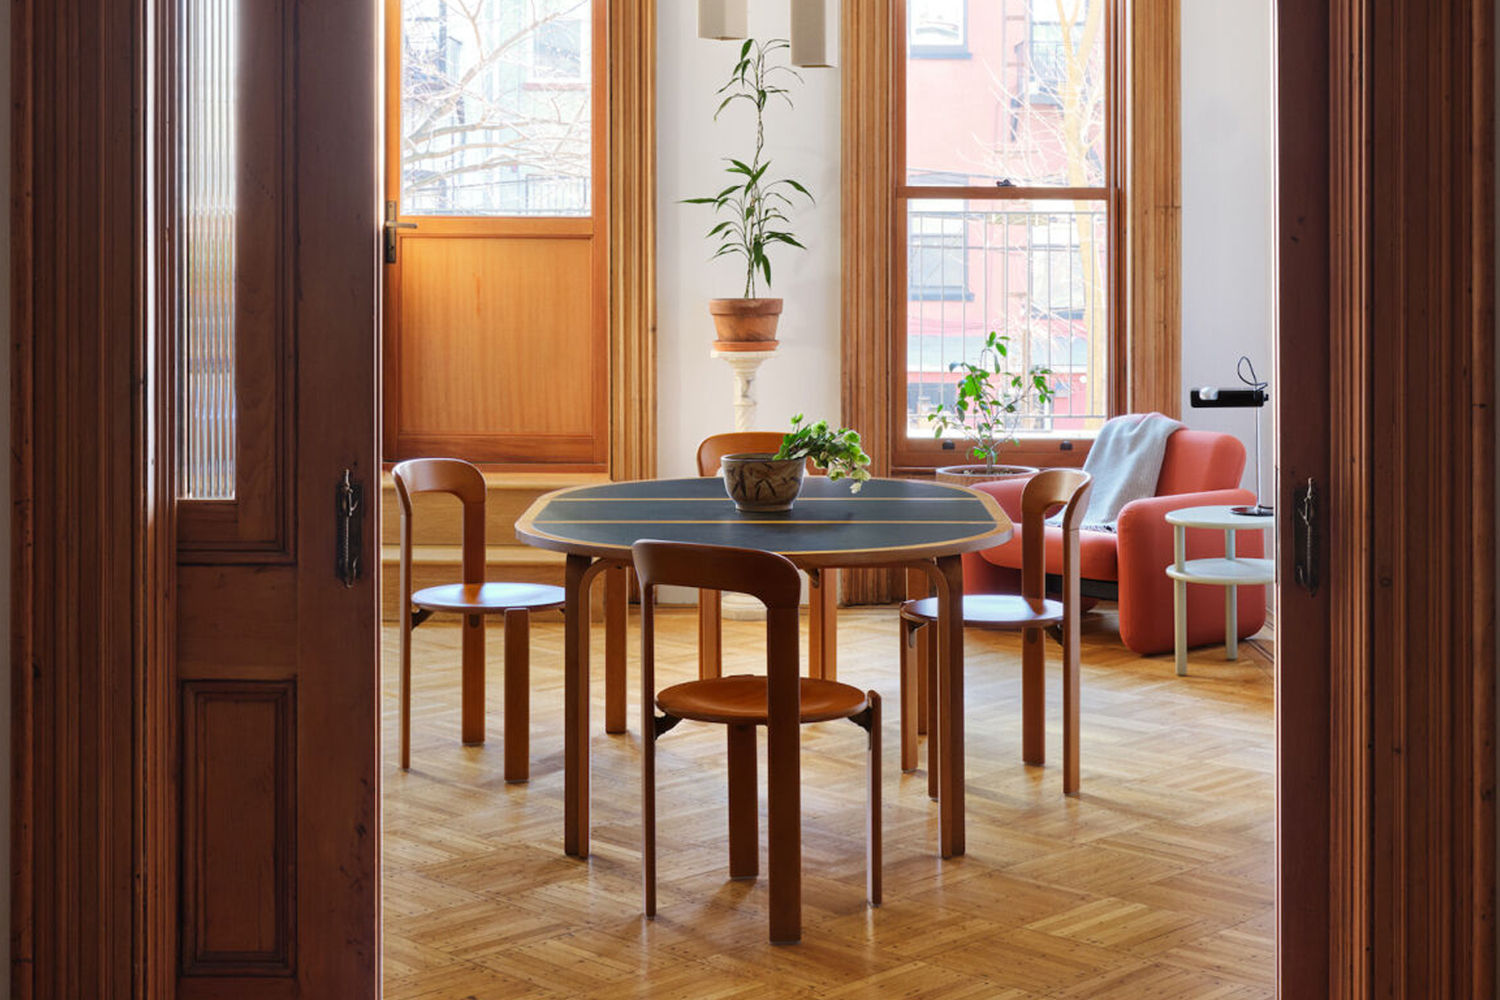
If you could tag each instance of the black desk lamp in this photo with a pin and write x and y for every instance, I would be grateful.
(1255, 396)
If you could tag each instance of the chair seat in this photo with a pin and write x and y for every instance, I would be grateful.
(990, 611)
(741, 699)
(484, 598)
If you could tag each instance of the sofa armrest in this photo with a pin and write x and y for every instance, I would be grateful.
(1145, 590)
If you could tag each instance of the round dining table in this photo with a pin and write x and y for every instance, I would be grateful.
(890, 523)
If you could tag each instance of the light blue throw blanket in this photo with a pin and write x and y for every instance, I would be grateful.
(1125, 463)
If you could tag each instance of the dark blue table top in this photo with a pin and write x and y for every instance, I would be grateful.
(888, 521)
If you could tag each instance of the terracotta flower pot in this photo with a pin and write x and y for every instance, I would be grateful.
(758, 482)
(745, 324)
(968, 475)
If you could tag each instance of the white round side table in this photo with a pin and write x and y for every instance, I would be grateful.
(1229, 572)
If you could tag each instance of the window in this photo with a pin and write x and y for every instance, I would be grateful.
(557, 52)
(1056, 33)
(1006, 198)
(208, 163)
(496, 114)
(937, 29)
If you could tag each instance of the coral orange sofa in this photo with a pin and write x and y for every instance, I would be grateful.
(1128, 565)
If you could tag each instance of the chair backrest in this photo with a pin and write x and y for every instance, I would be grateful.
(768, 576)
(1197, 461)
(713, 448)
(458, 478)
(1043, 494)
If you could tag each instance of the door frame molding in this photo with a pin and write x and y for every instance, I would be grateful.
(92, 530)
(632, 239)
(91, 521)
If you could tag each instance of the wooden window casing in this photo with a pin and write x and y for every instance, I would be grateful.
(1143, 187)
(912, 453)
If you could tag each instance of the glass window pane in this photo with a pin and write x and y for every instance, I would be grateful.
(1006, 92)
(207, 147)
(496, 107)
(1034, 271)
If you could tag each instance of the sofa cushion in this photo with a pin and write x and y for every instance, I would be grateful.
(1098, 553)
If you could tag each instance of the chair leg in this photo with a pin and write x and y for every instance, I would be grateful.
(933, 736)
(822, 624)
(909, 664)
(710, 634)
(744, 823)
(1033, 697)
(873, 860)
(405, 696)
(919, 586)
(926, 671)
(1071, 693)
(616, 609)
(517, 694)
(784, 834)
(473, 679)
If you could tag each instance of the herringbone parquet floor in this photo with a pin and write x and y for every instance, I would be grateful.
(1155, 882)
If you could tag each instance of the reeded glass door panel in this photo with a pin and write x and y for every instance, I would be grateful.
(206, 272)
(1035, 271)
(496, 107)
(1006, 92)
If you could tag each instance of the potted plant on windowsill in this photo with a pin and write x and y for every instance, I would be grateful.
(753, 208)
(758, 482)
(991, 402)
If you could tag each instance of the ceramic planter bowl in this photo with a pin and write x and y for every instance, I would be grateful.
(968, 475)
(757, 482)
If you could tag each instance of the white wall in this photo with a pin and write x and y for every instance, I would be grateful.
(803, 142)
(1227, 218)
(1228, 210)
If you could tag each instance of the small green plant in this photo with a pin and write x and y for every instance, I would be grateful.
(754, 207)
(992, 400)
(836, 451)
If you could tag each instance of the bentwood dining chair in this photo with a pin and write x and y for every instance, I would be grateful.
(822, 617)
(780, 700)
(1030, 612)
(474, 599)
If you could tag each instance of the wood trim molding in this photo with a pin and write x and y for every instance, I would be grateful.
(1350, 392)
(1305, 933)
(632, 238)
(1153, 203)
(1423, 175)
(92, 530)
(872, 43)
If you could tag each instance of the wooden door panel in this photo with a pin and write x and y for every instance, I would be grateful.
(276, 731)
(238, 833)
(495, 351)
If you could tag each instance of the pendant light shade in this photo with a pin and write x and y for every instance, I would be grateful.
(723, 19)
(815, 33)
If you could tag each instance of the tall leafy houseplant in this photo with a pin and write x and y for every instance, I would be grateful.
(752, 210)
(992, 400)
